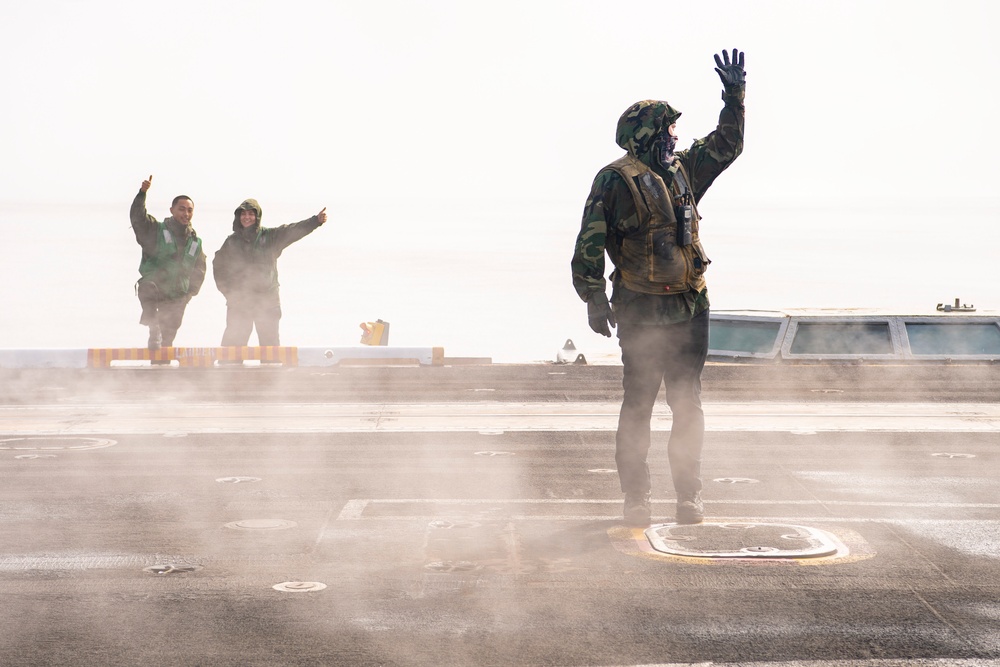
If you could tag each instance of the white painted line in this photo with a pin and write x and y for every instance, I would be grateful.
(709, 518)
(612, 501)
(492, 501)
(877, 662)
(352, 510)
(455, 417)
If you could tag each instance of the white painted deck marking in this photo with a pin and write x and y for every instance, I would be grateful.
(354, 510)
(877, 662)
(450, 417)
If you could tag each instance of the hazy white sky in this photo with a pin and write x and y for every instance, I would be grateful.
(313, 102)
(453, 127)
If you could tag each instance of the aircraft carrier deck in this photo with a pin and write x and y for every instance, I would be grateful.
(469, 515)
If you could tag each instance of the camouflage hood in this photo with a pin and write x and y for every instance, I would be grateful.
(641, 123)
(247, 205)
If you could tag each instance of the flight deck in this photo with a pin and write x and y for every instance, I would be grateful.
(470, 515)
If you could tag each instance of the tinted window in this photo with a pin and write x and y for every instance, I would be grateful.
(948, 339)
(863, 338)
(743, 336)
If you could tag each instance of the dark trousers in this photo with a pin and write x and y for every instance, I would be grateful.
(242, 318)
(673, 355)
(162, 316)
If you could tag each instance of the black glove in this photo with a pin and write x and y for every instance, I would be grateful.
(599, 314)
(731, 73)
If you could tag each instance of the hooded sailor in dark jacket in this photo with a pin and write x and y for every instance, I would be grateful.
(643, 213)
(246, 272)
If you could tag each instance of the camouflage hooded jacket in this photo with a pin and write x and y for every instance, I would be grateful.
(617, 219)
(246, 266)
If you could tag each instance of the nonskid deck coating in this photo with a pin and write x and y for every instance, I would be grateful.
(98, 539)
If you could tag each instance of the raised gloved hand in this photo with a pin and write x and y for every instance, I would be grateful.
(731, 73)
(599, 314)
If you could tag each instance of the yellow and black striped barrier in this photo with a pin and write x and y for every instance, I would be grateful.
(208, 357)
(193, 357)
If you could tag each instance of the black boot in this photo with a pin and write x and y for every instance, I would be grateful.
(637, 510)
(690, 509)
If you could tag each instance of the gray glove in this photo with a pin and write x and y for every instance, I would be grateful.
(731, 73)
(599, 314)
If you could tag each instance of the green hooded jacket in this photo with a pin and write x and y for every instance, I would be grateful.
(172, 255)
(246, 266)
(618, 220)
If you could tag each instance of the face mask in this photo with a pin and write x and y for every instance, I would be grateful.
(664, 147)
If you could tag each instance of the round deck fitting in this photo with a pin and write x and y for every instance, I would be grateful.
(261, 524)
(299, 586)
(445, 524)
(452, 566)
(741, 540)
(170, 568)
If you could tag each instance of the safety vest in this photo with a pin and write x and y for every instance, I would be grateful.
(170, 272)
(673, 268)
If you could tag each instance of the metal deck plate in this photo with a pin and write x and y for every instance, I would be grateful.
(741, 540)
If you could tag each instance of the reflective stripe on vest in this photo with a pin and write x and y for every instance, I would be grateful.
(167, 268)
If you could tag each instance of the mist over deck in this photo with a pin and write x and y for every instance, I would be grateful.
(470, 515)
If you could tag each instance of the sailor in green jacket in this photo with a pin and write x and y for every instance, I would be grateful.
(643, 211)
(246, 272)
(172, 268)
